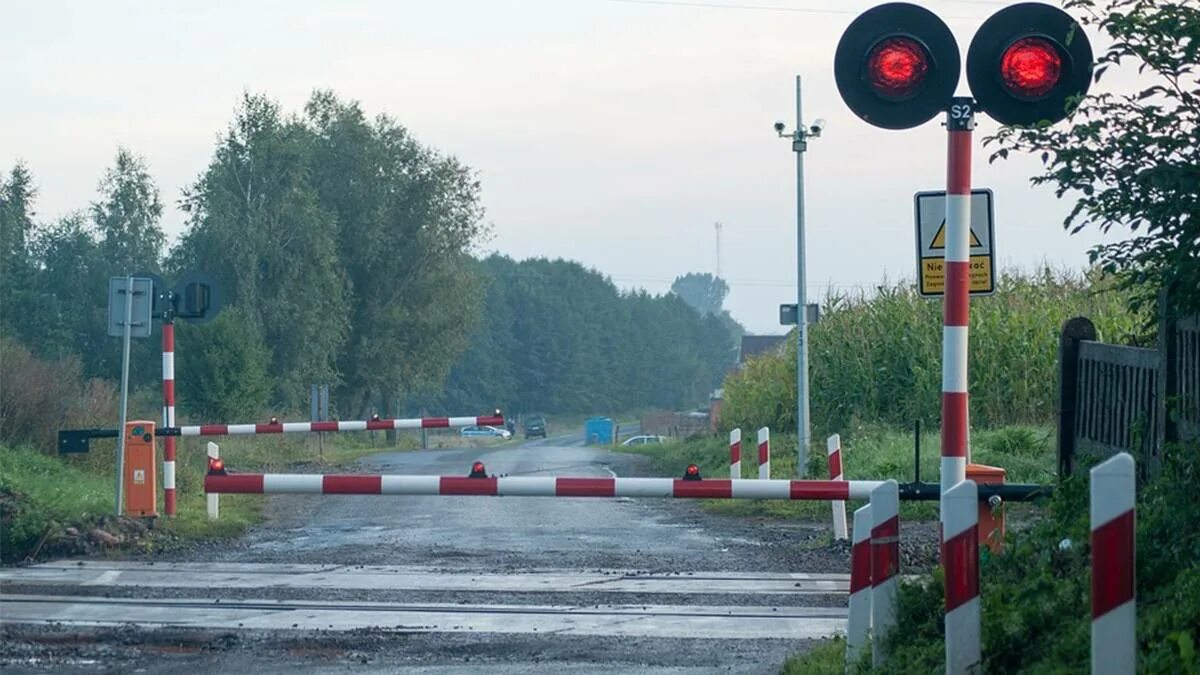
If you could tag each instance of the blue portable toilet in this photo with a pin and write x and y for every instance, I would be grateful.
(598, 430)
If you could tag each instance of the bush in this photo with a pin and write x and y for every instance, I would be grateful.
(39, 397)
(225, 367)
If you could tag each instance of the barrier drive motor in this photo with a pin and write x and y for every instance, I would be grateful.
(141, 484)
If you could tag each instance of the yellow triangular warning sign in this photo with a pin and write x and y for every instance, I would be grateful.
(939, 239)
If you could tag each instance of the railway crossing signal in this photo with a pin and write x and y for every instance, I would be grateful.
(897, 65)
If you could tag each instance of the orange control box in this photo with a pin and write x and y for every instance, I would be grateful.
(141, 485)
(991, 520)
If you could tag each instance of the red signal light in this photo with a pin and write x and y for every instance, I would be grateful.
(896, 67)
(477, 471)
(216, 465)
(1030, 67)
(692, 472)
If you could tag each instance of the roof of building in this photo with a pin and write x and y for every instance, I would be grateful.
(757, 345)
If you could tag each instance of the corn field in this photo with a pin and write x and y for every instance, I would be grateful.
(877, 359)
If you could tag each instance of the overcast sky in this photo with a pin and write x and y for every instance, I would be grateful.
(612, 132)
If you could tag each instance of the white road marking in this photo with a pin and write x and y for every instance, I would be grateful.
(663, 621)
(267, 575)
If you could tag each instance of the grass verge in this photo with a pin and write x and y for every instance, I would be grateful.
(43, 494)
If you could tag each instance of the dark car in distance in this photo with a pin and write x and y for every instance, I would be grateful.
(535, 425)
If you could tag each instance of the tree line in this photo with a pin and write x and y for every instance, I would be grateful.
(343, 247)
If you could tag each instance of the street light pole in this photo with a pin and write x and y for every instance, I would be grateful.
(799, 138)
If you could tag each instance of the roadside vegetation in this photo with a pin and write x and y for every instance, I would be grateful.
(1128, 162)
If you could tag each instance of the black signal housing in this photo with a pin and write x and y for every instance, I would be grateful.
(1027, 64)
(897, 65)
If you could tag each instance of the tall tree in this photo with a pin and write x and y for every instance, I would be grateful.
(256, 224)
(16, 228)
(1132, 161)
(407, 217)
(702, 292)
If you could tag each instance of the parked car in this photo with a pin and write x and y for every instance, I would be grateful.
(535, 426)
(644, 439)
(485, 432)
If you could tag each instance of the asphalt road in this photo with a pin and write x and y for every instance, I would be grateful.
(446, 584)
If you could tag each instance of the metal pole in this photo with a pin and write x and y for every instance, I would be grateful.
(803, 428)
(168, 373)
(124, 394)
(960, 121)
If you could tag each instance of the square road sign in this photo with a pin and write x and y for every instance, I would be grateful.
(930, 215)
(143, 302)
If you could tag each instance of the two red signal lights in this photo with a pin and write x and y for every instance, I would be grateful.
(897, 65)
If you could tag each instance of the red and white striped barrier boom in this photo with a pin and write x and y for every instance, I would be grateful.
(885, 564)
(955, 426)
(310, 427)
(764, 454)
(168, 377)
(537, 486)
(858, 620)
(1114, 603)
(960, 558)
(735, 454)
(834, 447)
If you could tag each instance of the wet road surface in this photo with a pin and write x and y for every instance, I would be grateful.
(447, 584)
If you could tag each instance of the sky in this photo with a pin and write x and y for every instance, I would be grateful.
(611, 132)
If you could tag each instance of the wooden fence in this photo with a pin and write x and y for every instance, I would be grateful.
(1114, 398)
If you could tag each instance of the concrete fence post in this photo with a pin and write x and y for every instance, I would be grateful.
(834, 446)
(214, 500)
(1114, 602)
(960, 559)
(764, 453)
(885, 565)
(735, 454)
(858, 622)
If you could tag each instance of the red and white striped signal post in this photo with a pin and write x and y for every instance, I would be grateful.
(960, 122)
(858, 619)
(960, 558)
(834, 447)
(764, 454)
(885, 565)
(735, 454)
(1114, 603)
(168, 377)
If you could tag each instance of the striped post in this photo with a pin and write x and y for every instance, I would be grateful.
(858, 621)
(311, 427)
(213, 498)
(1114, 603)
(735, 454)
(960, 557)
(764, 454)
(538, 486)
(885, 564)
(168, 376)
(834, 447)
(955, 425)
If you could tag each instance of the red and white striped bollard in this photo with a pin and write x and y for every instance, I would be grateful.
(735, 454)
(1114, 600)
(858, 619)
(885, 565)
(764, 453)
(168, 376)
(834, 447)
(960, 558)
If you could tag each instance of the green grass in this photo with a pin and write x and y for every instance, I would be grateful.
(827, 658)
(47, 491)
(868, 453)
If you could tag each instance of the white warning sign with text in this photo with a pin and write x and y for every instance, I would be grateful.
(930, 215)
